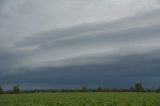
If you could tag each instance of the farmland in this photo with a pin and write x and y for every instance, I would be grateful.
(81, 99)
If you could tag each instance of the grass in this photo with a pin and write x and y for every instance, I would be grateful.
(81, 99)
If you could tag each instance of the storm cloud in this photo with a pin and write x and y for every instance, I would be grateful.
(58, 43)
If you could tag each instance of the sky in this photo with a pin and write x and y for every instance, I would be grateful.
(72, 43)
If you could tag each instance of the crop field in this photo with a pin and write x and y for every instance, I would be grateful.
(81, 99)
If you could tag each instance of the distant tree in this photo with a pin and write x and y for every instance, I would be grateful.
(1, 89)
(84, 88)
(139, 87)
(99, 89)
(158, 90)
(16, 89)
(131, 89)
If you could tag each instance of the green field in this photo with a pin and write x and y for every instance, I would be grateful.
(81, 99)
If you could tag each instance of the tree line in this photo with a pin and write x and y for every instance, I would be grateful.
(138, 87)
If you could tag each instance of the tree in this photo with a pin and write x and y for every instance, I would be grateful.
(131, 89)
(16, 89)
(158, 90)
(1, 89)
(99, 89)
(84, 88)
(139, 87)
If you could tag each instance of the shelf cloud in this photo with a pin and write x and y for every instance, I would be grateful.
(60, 43)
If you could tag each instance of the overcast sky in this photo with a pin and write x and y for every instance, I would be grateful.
(71, 43)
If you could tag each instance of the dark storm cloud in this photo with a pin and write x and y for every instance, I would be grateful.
(10, 59)
(69, 44)
(131, 68)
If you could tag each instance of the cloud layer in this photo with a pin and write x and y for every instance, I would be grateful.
(60, 43)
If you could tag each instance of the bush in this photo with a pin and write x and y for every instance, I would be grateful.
(16, 89)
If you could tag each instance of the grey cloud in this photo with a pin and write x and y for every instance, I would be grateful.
(91, 39)
(133, 32)
(77, 51)
(141, 25)
(125, 69)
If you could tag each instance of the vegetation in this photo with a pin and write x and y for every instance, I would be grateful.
(1, 90)
(139, 87)
(134, 96)
(81, 99)
(99, 89)
(16, 89)
(84, 89)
